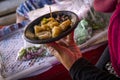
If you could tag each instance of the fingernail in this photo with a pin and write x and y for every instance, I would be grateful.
(50, 49)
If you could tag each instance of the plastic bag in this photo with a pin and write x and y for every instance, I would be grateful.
(82, 32)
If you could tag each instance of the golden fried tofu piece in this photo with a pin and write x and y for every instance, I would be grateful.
(45, 27)
(50, 28)
(52, 24)
(44, 21)
(56, 31)
(51, 19)
(44, 35)
(64, 25)
(37, 29)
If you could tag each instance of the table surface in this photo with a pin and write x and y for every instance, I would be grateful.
(14, 69)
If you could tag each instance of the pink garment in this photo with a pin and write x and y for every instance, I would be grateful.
(114, 39)
(105, 5)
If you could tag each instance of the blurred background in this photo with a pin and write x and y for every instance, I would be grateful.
(8, 10)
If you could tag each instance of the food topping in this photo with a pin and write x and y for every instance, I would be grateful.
(51, 28)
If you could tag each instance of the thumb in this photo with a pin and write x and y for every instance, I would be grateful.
(59, 51)
(71, 38)
(54, 49)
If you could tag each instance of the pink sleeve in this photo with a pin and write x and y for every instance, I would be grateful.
(105, 5)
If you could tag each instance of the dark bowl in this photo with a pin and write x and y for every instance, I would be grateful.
(29, 34)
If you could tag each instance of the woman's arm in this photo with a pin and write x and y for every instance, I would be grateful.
(83, 70)
(67, 52)
(105, 5)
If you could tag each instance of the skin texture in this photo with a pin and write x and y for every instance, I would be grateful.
(66, 51)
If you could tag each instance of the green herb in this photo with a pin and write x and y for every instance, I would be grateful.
(22, 53)
(44, 21)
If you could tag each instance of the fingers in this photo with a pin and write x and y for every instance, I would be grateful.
(59, 48)
(54, 45)
(63, 54)
(67, 41)
(71, 38)
(50, 44)
(63, 42)
(53, 51)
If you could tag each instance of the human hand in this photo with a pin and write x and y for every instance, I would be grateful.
(65, 50)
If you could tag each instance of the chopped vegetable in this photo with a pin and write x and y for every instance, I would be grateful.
(31, 52)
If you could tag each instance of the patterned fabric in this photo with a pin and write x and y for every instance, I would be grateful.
(110, 69)
(30, 5)
(6, 30)
(22, 10)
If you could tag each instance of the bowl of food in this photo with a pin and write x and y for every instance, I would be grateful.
(47, 28)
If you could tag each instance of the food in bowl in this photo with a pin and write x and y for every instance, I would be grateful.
(35, 35)
(51, 28)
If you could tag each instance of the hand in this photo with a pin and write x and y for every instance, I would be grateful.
(66, 51)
